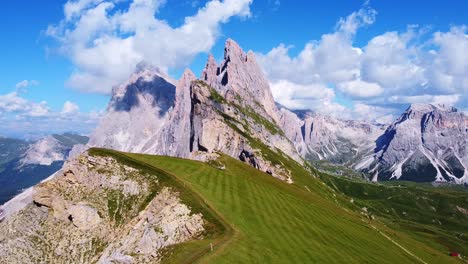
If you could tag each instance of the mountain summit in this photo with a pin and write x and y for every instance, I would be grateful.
(426, 143)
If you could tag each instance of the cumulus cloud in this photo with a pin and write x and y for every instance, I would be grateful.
(105, 41)
(360, 89)
(393, 68)
(70, 108)
(449, 63)
(14, 103)
(298, 96)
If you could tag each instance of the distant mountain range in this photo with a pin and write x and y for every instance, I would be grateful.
(24, 164)
(231, 107)
(426, 143)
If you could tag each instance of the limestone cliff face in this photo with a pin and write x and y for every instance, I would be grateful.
(97, 210)
(426, 143)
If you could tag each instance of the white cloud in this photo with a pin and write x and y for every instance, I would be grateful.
(377, 114)
(105, 42)
(70, 108)
(297, 96)
(21, 116)
(38, 110)
(13, 103)
(390, 61)
(449, 65)
(425, 98)
(363, 17)
(360, 89)
(26, 83)
(75, 7)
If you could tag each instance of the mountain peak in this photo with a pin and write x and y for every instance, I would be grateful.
(421, 107)
(232, 48)
(187, 74)
(209, 74)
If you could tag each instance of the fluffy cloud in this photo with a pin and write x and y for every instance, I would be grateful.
(449, 64)
(70, 108)
(297, 96)
(105, 41)
(389, 61)
(393, 68)
(425, 98)
(360, 89)
(14, 103)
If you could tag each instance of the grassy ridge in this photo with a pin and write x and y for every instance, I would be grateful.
(278, 223)
(217, 230)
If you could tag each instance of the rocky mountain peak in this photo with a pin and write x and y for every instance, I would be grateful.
(241, 80)
(146, 86)
(210, 73)
(416, 111)
(183, 85)
(426, 143)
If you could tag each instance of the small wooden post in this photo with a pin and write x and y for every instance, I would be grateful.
(211, 246)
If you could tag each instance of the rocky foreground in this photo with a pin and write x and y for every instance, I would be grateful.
(97, 210)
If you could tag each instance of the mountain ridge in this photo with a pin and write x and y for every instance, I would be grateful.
(232, 102)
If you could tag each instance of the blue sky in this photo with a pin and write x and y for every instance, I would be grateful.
(66, 90)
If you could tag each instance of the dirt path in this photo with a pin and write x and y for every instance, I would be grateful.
(398, 245)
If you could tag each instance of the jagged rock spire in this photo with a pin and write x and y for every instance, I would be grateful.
(183, 90)
(210, 73)
(239, 78)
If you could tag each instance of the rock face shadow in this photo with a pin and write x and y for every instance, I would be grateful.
(161, 91)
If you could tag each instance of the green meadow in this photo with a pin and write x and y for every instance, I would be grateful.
(255, 218)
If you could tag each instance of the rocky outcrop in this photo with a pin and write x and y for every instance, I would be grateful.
(174, 136)
(98, 210)
(166, 222)
(219, 125)
(83, 217)
(426, 143)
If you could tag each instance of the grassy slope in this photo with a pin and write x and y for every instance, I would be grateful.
(274, 222)
(430, 214)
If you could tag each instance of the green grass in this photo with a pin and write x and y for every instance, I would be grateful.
(425, 212)
(269, 221)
